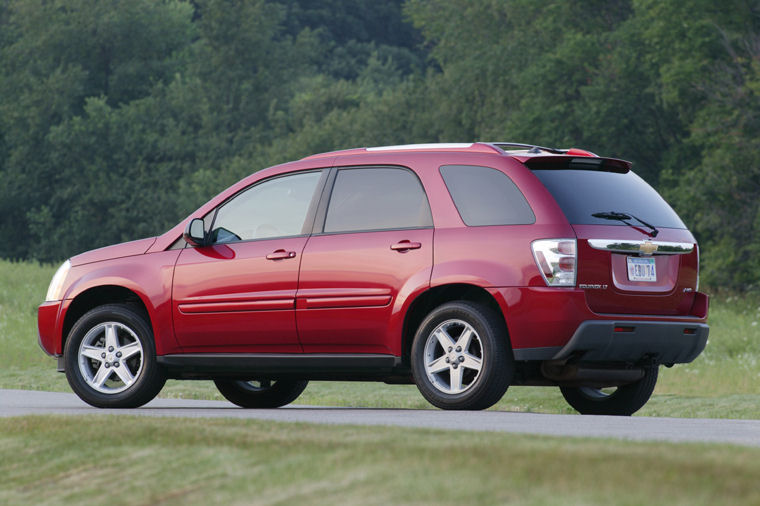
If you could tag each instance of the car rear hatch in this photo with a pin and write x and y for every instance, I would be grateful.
(634, 254)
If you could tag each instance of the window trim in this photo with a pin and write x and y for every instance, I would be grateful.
(459, 211)
(311, 211)
(319, 223)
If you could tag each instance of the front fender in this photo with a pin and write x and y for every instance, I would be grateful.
(147, 276)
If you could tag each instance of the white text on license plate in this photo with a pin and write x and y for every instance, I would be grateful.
(641, 269)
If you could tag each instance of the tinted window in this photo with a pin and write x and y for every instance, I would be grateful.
(581, 193)
(376, 199)
(486, 196)
(274, 208)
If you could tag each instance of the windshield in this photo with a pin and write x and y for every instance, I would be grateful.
(583, 193)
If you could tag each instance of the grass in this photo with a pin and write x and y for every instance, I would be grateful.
(136, 460)
(724, 382)
(22, 289)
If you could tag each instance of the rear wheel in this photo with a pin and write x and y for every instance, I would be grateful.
(261, 393)
(622, 401)
(110, 358)
(461, 358)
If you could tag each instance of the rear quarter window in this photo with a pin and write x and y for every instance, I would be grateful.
(486, 196)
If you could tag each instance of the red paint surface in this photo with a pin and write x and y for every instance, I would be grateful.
(47, 327)
(350, 292)
(232, 295)
(353, 289)
(672, 293)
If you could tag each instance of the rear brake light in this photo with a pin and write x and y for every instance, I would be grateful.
(579, 152)
(567, 264)
(556, 260)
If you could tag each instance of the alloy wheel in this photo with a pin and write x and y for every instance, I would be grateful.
(453, 356)
(110, 357)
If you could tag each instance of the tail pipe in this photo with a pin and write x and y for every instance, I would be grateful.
(575, 375)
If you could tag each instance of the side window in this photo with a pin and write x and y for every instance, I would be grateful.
(377, 199)
(275, 208)
(486, 196)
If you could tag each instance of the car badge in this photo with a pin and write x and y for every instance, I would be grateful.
(647, 248)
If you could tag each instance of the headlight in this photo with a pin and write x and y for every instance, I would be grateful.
(56, 285)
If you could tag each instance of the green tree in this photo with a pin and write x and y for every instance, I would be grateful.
(719, 194)
(54, 56)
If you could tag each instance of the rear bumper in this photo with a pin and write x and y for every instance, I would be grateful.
(635, 341)
(552, 323)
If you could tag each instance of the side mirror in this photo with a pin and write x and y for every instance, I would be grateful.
(195, 234)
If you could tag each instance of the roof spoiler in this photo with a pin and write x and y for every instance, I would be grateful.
(535, 149)
(579, 163)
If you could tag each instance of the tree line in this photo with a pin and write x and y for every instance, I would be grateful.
(118, 118)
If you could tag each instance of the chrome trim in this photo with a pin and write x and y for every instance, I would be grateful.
(436, 145)
(638, 247)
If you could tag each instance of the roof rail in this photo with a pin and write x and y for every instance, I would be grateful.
(503, 148)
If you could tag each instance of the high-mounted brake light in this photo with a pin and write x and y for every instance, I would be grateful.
(556, 260)
(579, 152)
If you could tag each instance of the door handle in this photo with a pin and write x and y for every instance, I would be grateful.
(405, 246)
(281, 254)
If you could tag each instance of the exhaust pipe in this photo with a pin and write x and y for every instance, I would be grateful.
(572, 374)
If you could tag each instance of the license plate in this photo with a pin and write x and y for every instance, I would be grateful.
(641, 269)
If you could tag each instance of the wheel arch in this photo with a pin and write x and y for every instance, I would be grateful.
(98, 296)
(434, 297)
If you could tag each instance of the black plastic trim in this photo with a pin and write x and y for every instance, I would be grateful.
(324, 199)
(543, 353)
(275, 365)
(655, 342)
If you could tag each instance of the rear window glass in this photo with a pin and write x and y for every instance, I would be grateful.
(582, 193)
(486, 196)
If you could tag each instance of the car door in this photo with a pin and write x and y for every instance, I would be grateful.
(237, 294)
(371, 251)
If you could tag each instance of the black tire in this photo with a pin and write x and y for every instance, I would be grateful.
(128, 326)
(265, 394)
(472, 389)
(624, 401)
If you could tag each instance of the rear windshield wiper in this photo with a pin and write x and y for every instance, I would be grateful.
(614, 215)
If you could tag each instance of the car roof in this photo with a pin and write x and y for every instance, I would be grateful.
(502, 148)
(522, 152)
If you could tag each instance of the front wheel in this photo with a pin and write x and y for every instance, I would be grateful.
(110, 358)
(461, 357)
(261, 393)
(621, 401)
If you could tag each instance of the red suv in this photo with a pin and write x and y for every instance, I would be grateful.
(464, 268)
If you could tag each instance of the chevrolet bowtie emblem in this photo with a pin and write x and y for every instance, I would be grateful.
(647, 248)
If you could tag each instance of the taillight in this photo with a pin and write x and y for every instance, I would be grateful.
(556, 259)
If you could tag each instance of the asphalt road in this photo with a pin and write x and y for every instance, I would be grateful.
(739, 432)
